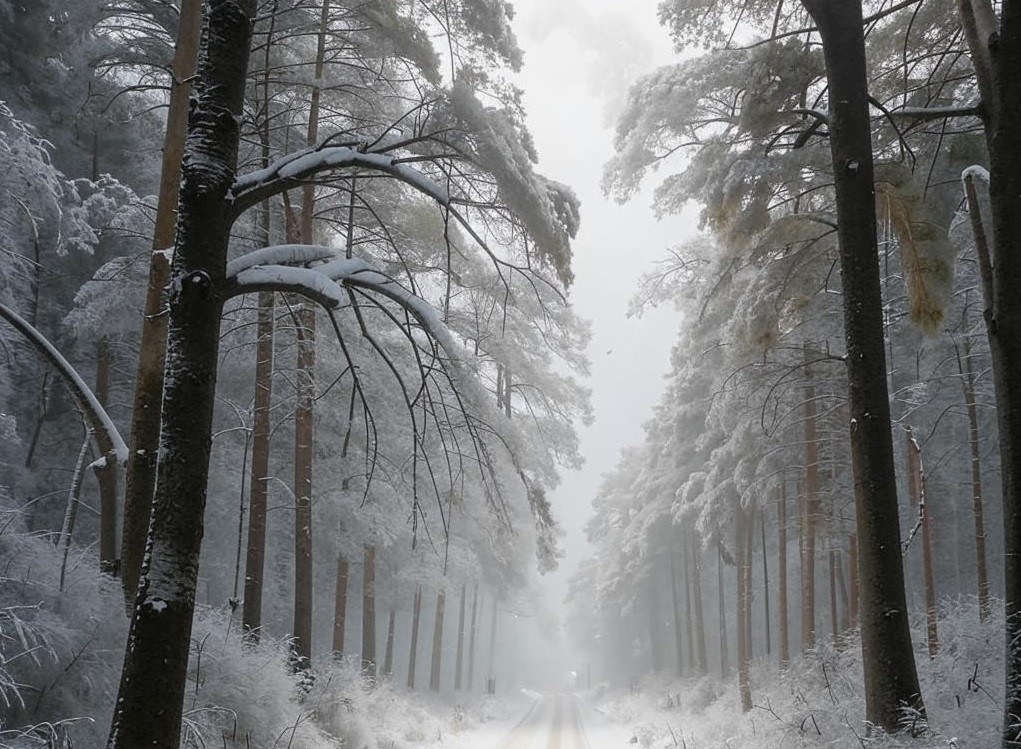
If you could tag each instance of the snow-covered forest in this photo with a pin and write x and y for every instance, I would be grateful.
(301, 381)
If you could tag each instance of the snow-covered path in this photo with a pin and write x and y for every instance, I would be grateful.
(561, 721)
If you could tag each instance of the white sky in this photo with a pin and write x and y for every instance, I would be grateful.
(580, 57)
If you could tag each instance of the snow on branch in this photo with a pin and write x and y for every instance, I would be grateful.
(107, 436)
(282, 254)
(324, 283)
(301, 166)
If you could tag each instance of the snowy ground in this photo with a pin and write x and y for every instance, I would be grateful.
(817, 702)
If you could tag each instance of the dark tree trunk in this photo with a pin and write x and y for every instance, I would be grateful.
(765, 585)
(149, 704)
(852, 566)
(340, 606)
(303, 452)
(369, 612)
(436, 669)
(996, 53)
(724, 645)
(140, 480)
(974, 446)
(416, 618)
(781, 566)
(809, 513)
(255, 557)
(891, 681)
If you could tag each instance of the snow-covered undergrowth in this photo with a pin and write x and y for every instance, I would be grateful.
(818, 701)
(61, 652)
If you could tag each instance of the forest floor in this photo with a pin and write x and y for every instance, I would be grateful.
(817, 700)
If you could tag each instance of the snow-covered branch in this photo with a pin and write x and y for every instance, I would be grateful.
(299, 167)
(107, 436)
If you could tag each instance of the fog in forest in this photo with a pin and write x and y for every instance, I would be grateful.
(510, 374)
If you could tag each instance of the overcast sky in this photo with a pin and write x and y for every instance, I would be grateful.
(580, 58)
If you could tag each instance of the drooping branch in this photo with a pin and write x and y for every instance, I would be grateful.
(108, 438)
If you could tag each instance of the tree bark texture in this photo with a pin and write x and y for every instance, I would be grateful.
(891, 681)
(809, 512)
(303, 456)
(140, 480)
(149, 704)
(781, 575)
(977, 505)
(255, 555)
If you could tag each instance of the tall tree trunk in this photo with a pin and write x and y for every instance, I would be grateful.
(436, 669)
(781, 580)
(834, 619)
(974, 446)
(148, 707)
(340, 606)
(491, 679)
(106, 472)
(996, 54)
(369, 612)
(724, 645)
(459, 664)
(303, 452)
(388, 658)
(655, 654)
(258, 493)
(689, 634)
(416, 618)
(696, 594)
(917, 495)
(140, 479)
(809, 512)
(854, 597)
(471, 640)
(744, 533)
(678, 641)
(303, 414)
(255, 555)
(765, 583)
(891, 680)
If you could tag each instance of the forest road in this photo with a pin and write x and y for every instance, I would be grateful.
(554, 722)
